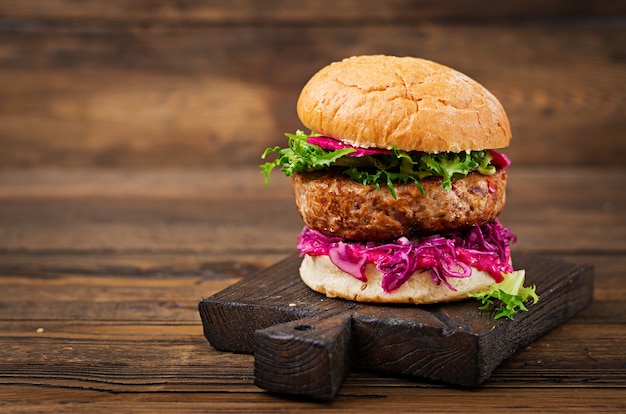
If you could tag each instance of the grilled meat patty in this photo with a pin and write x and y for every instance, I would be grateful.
(336, 205)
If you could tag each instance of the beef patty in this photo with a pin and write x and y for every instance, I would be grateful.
(336, 205)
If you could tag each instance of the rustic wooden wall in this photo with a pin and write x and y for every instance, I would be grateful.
(149, 83)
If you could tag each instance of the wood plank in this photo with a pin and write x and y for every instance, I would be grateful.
(107, 297)
(163, 183)
(182, 97)
(586, 355)
(97, 224)
(122, 213)
(155, 264)
(145, 354)
(574, 206)
(158, 288)
(400, 399)
(116, 281)
(281, 11)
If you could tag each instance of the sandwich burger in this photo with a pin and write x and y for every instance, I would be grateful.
(399, 184)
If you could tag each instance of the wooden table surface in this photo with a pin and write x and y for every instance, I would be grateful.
(102, 271)
(130, 135)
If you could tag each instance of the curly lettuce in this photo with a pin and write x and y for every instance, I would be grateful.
(377, 167)
(300, 156)
(510, 295)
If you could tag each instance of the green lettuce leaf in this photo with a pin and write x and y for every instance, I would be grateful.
(510, 295)
(449, 165)
(300, 156)
(386, 169)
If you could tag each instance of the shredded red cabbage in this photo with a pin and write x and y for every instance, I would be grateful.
(333, 144)
(486, 248)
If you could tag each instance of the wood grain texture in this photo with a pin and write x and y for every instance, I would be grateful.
(308, 356)
(557, 211)
(284, 11)
(103, 86)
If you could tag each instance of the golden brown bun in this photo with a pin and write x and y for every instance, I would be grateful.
(415, 104)
(321, 275)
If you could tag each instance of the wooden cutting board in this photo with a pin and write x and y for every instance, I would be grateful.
(305, 343)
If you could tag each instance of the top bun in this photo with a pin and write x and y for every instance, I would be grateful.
(410, 103)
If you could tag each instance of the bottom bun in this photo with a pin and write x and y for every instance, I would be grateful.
(321, 275)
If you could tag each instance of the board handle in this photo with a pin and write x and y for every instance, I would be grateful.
(309, 356)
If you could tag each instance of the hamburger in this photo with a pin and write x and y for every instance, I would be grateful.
(400, 184)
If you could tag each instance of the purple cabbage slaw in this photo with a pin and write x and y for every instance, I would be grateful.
(332, 144)
(449, 255)
(499, 160)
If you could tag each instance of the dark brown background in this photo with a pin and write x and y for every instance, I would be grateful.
(148, 83)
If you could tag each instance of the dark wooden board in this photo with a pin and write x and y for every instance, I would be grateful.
(305, 343)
